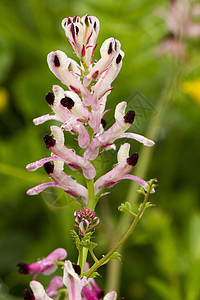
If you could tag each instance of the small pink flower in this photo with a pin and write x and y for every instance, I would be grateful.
(60, 64)
(82, 34)
(120, 171)
(109, 50)
(45, 266)
(62, 153)
(72, 281)
(61, 180)
(116, 131)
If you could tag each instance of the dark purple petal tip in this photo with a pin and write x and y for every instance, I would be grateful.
(118, 59)
(56, 61)
(49, 141)
(23, 268)
(110, 49)
(50, 98)
(129, 117)
(67, 102)
(28, 295)
(132, 160)
(48, 167)
(103, 123)
(77, 269)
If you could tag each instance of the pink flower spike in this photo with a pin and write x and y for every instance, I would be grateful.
(38, 291)
(45, 266)
(72, 281)
(55, 284)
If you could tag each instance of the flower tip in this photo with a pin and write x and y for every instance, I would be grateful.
(149, 143)
(31, 192)
(28, 295)
(31, 167)
(23, 268)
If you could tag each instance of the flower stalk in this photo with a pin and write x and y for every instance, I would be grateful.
(137, 217)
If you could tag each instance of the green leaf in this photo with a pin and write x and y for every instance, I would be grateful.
(115, 255)
(125, 207)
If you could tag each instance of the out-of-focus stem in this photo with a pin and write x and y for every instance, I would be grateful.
(141, 169)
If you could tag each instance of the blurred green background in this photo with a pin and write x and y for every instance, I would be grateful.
(162, 258)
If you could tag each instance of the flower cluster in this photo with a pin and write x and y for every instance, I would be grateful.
(180, 20)
(80, 110)
(77, 288)
(85, 220)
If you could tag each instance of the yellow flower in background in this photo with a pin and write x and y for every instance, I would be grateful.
(4, 97)
(192, 88)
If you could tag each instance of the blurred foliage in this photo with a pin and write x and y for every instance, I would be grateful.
(163, 256)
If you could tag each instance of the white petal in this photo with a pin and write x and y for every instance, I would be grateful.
(39, 291)
(123, 153)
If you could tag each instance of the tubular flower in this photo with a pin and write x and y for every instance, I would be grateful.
(61, 180)
(82, 34)
(38, 291)
(69, 110)
(45, 266)
(117, 130)
(120, 171)
(72, 281)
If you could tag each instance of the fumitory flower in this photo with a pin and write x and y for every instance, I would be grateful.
(122, 122)
(120, 171)
(45, 266)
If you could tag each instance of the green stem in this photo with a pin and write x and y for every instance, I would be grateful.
(91, 196)
(146, 153)
(121, 242)
(92, 201)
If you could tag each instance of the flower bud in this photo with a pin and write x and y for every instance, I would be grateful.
(86, 221)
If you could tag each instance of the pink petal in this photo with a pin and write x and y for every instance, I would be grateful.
(38, 291)
(137, 137)
(39, 163)
(41, 187)
(110, 296)
(139, 180)
(42, 119)
(55, 284)
(72, 281)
